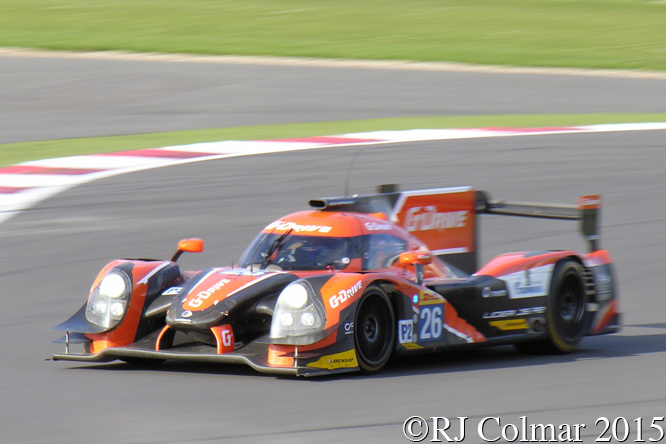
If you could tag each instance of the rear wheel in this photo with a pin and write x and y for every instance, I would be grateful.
(374, 330)
(565, 314)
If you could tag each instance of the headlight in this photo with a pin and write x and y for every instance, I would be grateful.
(108, 302)
(297, 312)
(112, 286)
(295, 296)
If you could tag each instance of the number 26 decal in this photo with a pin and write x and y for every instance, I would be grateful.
(431, 322)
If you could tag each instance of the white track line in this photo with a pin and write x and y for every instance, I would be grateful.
(26, 184)
(401, 65)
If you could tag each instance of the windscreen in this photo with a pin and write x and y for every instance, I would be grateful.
(382, 251)
(296, 252)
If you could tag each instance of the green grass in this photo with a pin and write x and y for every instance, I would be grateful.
(13, 153)
(574, 33)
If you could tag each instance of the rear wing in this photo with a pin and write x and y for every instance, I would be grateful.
(586, 211)
(445, 218)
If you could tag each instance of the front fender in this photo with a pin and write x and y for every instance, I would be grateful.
(148, 279)
(339, 294)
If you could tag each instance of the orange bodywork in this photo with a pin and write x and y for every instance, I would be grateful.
(125, 332)
(276, 355)
(444, 220)
(513, 262)
(193, 245)
(589, 202)
(224, 335)
(158, 344)
(599, 257)
(318, 223)
(457, 323)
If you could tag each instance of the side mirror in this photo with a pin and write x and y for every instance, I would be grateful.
(189, 246)
(415, 257)
(418, 259)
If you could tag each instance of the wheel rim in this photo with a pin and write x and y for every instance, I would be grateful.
(370, 329)
(570, 307)
(373, 333)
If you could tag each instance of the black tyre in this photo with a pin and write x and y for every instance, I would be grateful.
(565, 314)
(566, 308)
(374, 330)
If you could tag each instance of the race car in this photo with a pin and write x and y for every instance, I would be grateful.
(351, 282)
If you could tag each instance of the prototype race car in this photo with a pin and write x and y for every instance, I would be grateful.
(351, 282)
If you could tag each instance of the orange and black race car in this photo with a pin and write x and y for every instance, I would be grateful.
(351, 282)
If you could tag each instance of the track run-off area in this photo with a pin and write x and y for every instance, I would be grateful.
(52, 250)
(25, 184)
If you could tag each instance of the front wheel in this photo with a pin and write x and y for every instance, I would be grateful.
(374, 330)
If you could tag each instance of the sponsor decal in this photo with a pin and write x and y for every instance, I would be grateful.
(529, 283)
(488, 293)
(405, 331)
(428, 298)
(431, 323)
(528, 290)
(343, 295)
(519, 312)
(186, 314)
(427, 218)
(514, 324)
(203, 295)
(339, 360)
(172, 291)
(411, 346)
(282, 225)
(442, 218)
(589, 202)
(227, 338)
(349, 328)
(372, 226)
(224, 335)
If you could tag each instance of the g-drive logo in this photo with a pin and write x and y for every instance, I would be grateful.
(427, 218)
(226, 338)
(203, 295)
(343, 295)
(282, 225)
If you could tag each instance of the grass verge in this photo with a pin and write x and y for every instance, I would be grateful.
(624, 34)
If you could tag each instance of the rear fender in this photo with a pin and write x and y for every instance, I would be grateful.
(529, 274)
(526, 273)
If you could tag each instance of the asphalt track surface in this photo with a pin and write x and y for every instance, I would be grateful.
(51, 253)
(57, 98)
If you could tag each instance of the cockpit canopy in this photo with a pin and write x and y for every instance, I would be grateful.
(290, 251)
